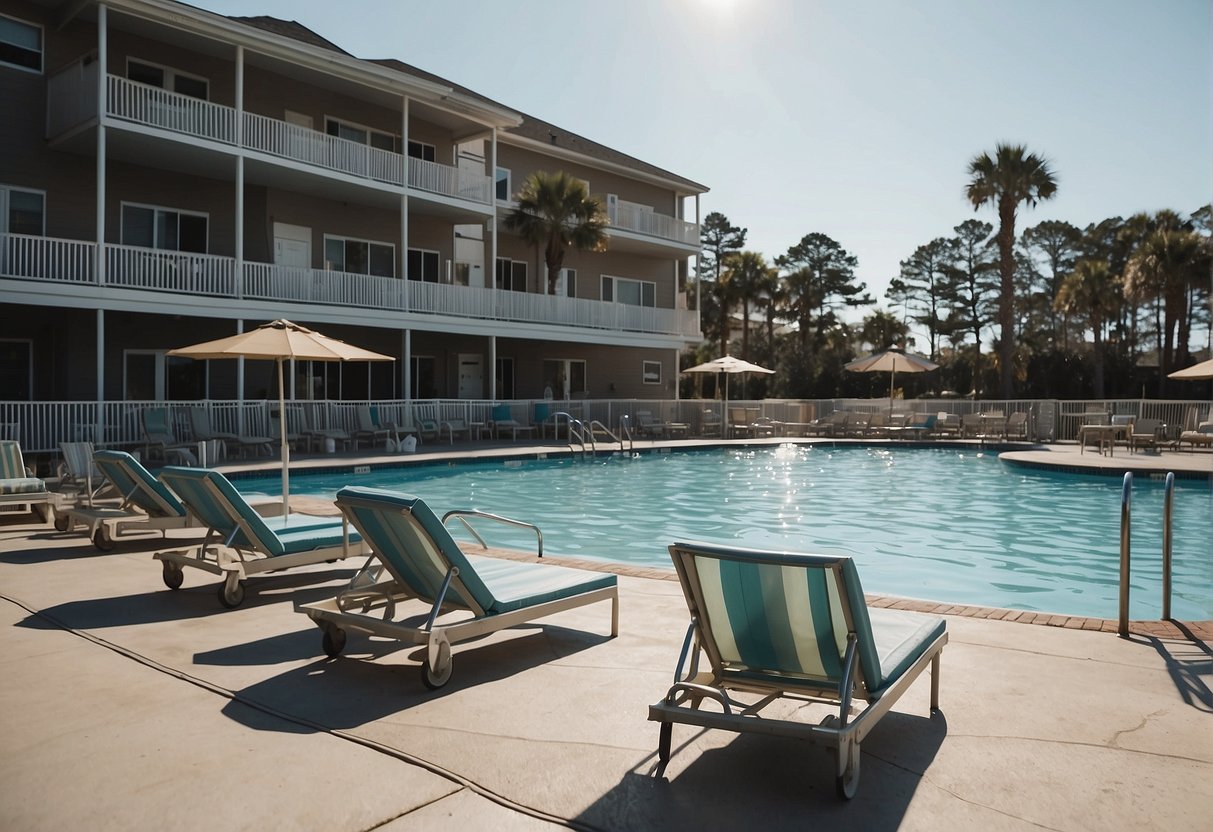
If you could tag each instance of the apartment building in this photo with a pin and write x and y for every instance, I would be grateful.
(169, 175)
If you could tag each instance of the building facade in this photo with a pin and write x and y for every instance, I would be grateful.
(169, 175)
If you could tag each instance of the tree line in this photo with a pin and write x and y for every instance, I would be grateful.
(1138, 286)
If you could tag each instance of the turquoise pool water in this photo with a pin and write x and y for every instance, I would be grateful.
(941, 524)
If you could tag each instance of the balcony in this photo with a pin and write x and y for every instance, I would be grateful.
(72, 102)
(72, 263)
(642, 219)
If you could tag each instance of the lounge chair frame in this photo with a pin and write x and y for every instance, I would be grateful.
(221, 552)
(142, 508)
(14, 470)
(369, 603)
(839, 731)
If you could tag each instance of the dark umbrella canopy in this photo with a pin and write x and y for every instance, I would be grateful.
(891, 361)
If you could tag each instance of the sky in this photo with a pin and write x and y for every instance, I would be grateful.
(852, 118)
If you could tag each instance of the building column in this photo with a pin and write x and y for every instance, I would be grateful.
(239, 248)
(240, 381)
(406, 349)
(102, 80)
(677, 358)
(100, 349)
(490, 275)
(404, 204)
(698, 276)
(493, 368)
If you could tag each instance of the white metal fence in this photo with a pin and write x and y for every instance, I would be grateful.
(41, 426)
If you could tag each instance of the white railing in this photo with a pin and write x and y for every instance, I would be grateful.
(71, 97)
(46, 258)
(284, 283)
(136, 267)
(301, 144)
(642, 219)
(156, 107)
(449, 181)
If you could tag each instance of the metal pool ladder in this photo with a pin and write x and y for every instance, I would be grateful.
(1126, 505)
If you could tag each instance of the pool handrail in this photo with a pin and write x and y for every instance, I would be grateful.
(1126, 512)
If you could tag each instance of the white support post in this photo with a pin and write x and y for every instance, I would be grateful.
(239, 266)
(100, 349)
(493, 368)
(102, 80)
(491, 272)
(240, 381)
(698, 276)
(407, 352)
(677, 358)
(404, 204)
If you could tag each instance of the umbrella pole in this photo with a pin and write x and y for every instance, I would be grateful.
(724, 416)
(286, 448)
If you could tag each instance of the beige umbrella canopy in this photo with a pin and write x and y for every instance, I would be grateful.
(891, 361)
(728, 365)
(1203, 370)
(279, 341)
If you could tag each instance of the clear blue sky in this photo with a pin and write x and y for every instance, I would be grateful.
(855, 119)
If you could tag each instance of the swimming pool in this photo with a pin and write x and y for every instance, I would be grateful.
(941, 524)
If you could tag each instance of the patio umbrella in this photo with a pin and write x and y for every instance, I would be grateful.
(890, 361)
(278, 341)
(1203, 370)
(728, 365)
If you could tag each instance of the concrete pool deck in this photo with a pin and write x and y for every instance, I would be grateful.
(128, 705)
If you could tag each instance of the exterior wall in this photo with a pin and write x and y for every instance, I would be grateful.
(325, 216)
(523, 161)
(171, 189)
(220, 73)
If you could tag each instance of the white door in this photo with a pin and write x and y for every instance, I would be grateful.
(471, 376)
(292, 245)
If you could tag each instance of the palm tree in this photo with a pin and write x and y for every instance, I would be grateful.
(1165, 266)
(1011, 177)
(1091, 292)
(556, 211)
(745, 273)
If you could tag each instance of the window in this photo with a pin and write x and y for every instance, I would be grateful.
(16, 370)
(167, 78)
(650, 372)
(631, 292)
(150, 375)
(423, 377)
(163, 228)
(504, 380)
(22, 211)
(423, 265)
(565, 377)
(20, 44)
(511, 274)
(362, 135)
(345, 254)
(421, 150)
(566, 283)
(503, 185)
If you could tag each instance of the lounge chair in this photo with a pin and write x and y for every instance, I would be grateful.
(646, 425)
(453, 428)
(970, 425)
(833, 425)
(1144, 433)
(240, 542)
(18, 485)
(1017, 425)
(502, 419)
(947, 424)
(781, 625)
(200, 427)
(369, 429)
(710, 426)
(79, 472)
(461, 596)
(159, 439)
(1202, 436)
(919, 427)
(147, 504)
(318, 438)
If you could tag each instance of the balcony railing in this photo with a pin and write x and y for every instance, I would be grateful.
(642, 219)
(136, 267)
(72, 101)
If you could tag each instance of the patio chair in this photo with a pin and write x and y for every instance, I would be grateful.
(648, 426)
(1201, 436)
(710, 426)
(545, 418)
(919, 427)
(970, 426)
(453, 428)
(200, 427)
(459, 597)
(1017, 425)
(78, 471)
(159, 439)
(19, 488)
(240, 542)
(369, 429)
(947, 424)
(502, 418)
(780, 625)
(147, 504)
(1144, 433)
(318, 438)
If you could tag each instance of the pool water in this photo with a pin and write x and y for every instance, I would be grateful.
(940, 524)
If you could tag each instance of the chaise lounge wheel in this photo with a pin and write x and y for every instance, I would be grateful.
(102, 539)
(435, 677)
(231, 596)
(173, 575)
(333, 640)
(62, 522)
(847, 783)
